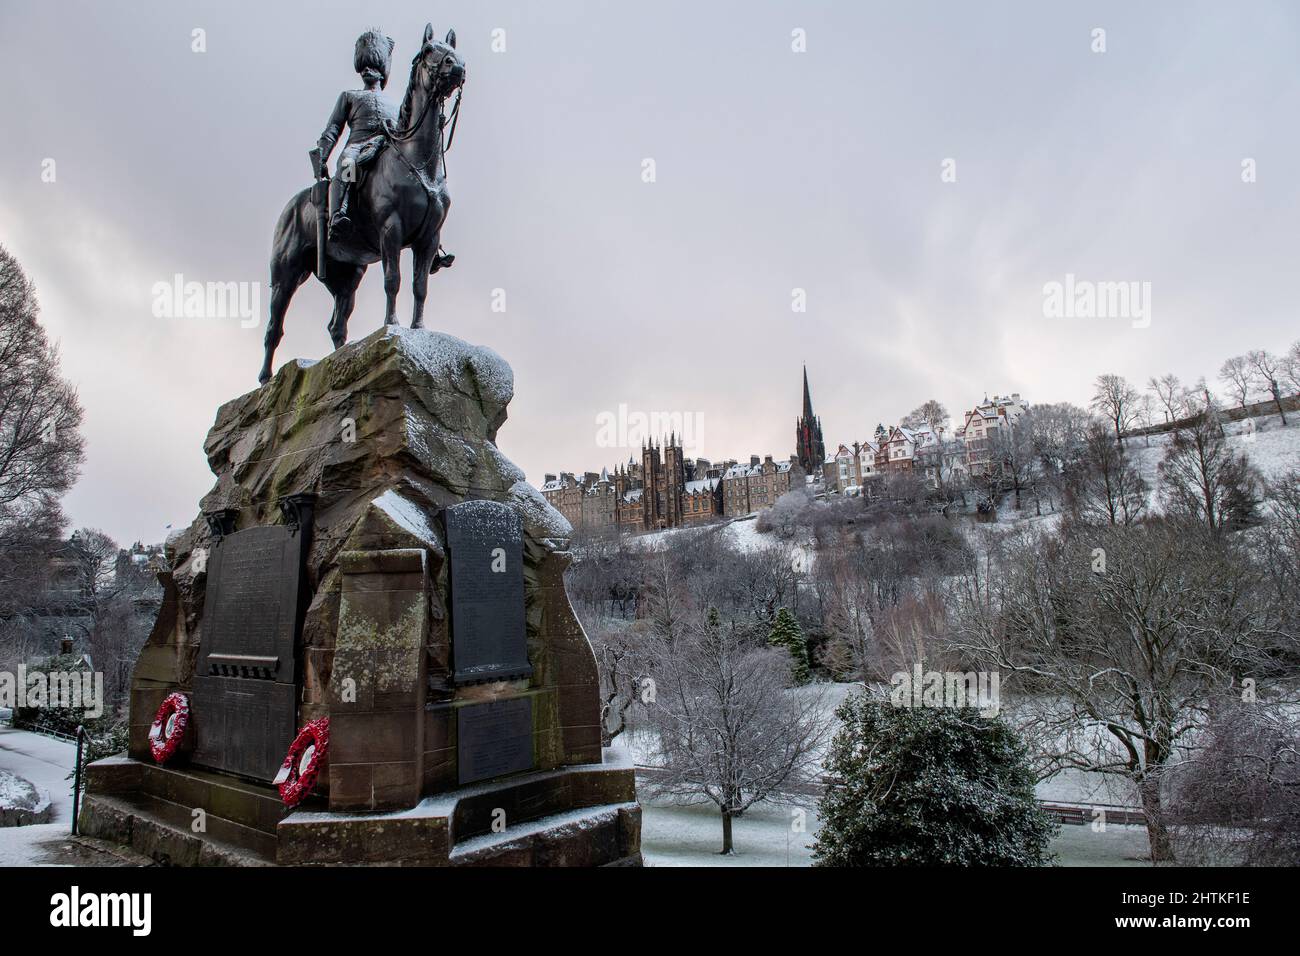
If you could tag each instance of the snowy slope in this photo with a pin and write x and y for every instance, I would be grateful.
(1271, 447)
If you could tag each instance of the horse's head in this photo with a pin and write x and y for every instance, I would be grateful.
(441, 70)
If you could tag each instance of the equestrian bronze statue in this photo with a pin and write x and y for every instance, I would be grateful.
(389, 192)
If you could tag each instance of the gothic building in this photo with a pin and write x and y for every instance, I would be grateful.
(665, 489)
(810, 449)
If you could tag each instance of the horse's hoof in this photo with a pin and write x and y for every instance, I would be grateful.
(263, 378)
(417, 324)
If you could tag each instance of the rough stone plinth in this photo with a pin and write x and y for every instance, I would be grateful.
(386, 433)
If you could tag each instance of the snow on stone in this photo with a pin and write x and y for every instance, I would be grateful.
(538, 512)
(506, 468)
(17, 792)
(407, 515)
(445, 355)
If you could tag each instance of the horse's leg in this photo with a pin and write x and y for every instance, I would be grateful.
(342, 280)
(390, 250)
(420, 280)
(286, 277)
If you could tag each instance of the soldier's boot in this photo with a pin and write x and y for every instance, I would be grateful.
(340, 224)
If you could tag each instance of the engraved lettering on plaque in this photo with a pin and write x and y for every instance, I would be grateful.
(245, 680)
(494, 739)
(488, 632)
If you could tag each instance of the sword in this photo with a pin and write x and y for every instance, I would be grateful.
(320, 197)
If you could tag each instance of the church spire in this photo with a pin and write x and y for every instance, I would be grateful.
(809, 445)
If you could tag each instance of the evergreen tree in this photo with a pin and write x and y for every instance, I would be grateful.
(920, 786)
(787, 633)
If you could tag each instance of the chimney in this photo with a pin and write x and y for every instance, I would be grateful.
(65, 646)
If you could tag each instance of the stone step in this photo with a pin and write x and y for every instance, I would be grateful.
(590, 836)
(252, 805)
(163, 831)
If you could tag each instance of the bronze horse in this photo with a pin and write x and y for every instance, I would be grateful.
(401, 203)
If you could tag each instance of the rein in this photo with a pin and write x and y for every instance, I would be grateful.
(440, 151)
(400, 136)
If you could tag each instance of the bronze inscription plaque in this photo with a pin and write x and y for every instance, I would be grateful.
(245, 682)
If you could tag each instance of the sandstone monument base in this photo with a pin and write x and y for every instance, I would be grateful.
(340, 566)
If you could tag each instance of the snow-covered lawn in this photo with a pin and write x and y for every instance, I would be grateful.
(692, 836)
(1116, 846)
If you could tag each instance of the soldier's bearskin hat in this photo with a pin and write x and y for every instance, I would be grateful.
(374, 52)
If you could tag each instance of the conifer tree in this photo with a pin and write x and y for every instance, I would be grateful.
(924, 786)
(787, 633)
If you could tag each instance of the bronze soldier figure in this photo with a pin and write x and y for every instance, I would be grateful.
(400, 202)
(366, 113)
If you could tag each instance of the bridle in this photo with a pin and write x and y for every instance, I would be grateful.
(399, 136)
(440, 153)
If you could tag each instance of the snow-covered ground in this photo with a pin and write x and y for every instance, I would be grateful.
(44, 762)
(1271, 447)
(743, 535)
(692, 835)
(766, 836)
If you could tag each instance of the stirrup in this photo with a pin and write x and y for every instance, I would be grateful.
(340, 225)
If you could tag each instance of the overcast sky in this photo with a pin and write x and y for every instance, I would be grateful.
(775, 171)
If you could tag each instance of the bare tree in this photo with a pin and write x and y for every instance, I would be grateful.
(728, 728)
(1168, 391)
(1291, 367)
(621, 657)
(107, 582)
(40, 443)
(1011, 452)
(40, 451)
(1057, 433)
(1204, 479)
(931, 413)
(1104, 487)
(1197, 398)
(1116, 401)
(1118, 640)
(1237, 376)
(1236, 802)
(850, 599)
(1266, 367)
